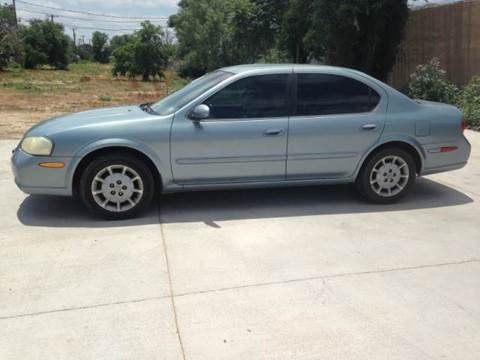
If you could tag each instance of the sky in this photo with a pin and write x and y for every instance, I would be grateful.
(123, 16)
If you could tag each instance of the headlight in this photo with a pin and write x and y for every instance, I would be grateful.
(37, 145)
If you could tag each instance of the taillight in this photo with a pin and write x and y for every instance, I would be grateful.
(463, 125)
(448, 148)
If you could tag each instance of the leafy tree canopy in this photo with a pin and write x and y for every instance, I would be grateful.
(216, 33)
(362, 34)
(143, 54)
(10, 45)
(100, 48)
(85, 52)
(119, 40)
(45, 43)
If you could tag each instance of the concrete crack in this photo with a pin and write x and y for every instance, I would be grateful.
(86, 307)
(328, 276)
(170, 284)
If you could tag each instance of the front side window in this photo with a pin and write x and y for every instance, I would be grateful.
(182, 97)
(253, 97)
(325, 94)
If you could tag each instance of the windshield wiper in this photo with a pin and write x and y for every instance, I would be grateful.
(147, 108)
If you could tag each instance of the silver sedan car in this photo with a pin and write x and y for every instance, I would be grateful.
(244, 126)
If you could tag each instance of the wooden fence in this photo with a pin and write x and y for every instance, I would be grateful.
(449, 32)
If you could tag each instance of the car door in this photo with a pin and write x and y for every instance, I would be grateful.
(243, 140)
(335, 121)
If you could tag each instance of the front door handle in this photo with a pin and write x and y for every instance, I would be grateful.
(369, 127)
(274, 132)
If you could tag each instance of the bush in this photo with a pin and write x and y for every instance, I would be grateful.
(469, 102)
(428, 82)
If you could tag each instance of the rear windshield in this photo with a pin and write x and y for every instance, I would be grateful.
(182, 97)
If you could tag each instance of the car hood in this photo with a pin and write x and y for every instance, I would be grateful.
(82, 119)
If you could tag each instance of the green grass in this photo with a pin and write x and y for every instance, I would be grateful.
(22, 86)
(105, 98)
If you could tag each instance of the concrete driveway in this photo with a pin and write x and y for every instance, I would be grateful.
(305, 273)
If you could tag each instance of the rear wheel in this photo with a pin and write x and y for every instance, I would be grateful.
(387, 176)
(116, 186)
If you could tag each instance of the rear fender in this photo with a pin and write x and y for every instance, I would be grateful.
(393, 138)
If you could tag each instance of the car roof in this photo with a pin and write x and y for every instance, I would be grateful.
(238, 69)
(402, 101)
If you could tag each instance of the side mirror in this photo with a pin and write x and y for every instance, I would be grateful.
(200, 112)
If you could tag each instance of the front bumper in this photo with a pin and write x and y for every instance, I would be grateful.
(33, 179)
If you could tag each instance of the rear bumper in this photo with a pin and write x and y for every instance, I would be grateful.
(436, 161)
(443, 168)
(33, 179)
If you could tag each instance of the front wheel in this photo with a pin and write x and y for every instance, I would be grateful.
(387, 176)
(116, 186)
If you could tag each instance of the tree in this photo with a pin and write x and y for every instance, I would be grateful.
(85, 52)
(45, 43)
(216, 33)
(201, 28)
(10, 45)
(296, 23)
(119, 40)
(101, 50)
(362, 34)
(143, 54)
(255, 26)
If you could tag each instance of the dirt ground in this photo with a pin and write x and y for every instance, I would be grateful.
(29, 96)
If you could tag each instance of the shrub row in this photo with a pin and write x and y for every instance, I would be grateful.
(429, 82)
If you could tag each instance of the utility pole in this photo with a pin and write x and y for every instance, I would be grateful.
(74, 37)
(15, 13)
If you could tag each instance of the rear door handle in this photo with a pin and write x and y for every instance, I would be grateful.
(369, 127)
(274, 132)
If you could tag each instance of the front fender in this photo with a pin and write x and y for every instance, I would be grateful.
(161, 165)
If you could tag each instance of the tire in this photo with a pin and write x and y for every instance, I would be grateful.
(116, 186)
(387, 176)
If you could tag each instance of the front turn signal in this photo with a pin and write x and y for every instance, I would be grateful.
(52, 164)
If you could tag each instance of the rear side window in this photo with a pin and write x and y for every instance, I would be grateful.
(253, 97)
(325, 94)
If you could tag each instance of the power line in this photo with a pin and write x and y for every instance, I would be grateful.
(83, 18)
(73, 26)
(80, 27)
(92, 14)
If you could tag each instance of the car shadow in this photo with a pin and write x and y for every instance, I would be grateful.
(212, 206)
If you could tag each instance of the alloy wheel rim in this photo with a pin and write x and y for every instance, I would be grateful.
(117, 188)
(389, 176)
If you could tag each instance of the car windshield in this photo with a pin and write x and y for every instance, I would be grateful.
(182, 97)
